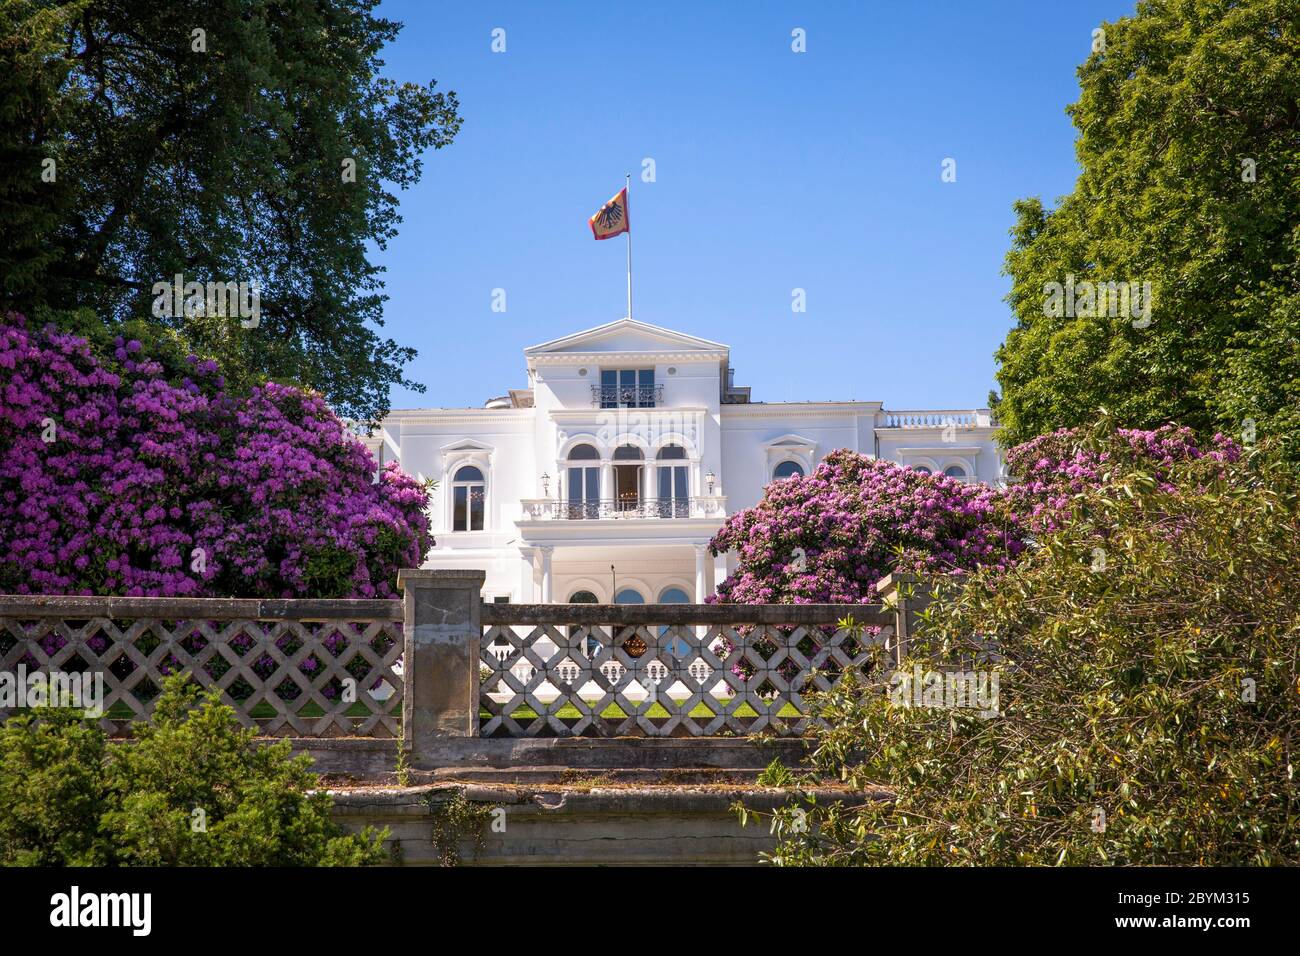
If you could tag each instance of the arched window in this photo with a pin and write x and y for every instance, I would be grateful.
(468, 499)
(584, 482)
(788, 469)
(922, 469)
(676, 645)
(955, 471)
(674, 483)
(592, 645)
(633, 646)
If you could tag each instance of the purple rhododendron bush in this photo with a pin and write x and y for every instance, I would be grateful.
(830, 536)
(116, 478)
(1050, 471)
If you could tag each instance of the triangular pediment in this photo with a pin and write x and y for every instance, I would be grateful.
(791, 441)
(466, 445)
(625, 335)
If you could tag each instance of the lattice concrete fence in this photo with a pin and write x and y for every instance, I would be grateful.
(454, 681)
(292, 668)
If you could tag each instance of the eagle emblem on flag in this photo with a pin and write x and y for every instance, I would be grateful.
(612, 219)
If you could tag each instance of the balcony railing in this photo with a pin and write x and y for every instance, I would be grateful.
(627, 396)
(544, 509)
(932, 418)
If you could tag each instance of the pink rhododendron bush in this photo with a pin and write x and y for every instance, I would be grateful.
(1048, 472)
(830, 536)
(116, 478)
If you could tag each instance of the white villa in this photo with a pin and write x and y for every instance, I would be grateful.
(605, 478)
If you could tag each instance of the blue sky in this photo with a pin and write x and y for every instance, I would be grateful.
(774, 170)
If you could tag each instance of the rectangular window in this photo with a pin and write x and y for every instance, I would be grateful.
(645, 380)
(627, 388)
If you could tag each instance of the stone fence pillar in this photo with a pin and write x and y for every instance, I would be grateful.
(440, 667)
(908, 595)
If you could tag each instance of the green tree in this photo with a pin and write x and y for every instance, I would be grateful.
(215, 139)
(1146, 709)
(32, 200)
(193, 790)
(1188, 126)
(52, 790)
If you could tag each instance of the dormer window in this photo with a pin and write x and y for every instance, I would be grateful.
(626, 388)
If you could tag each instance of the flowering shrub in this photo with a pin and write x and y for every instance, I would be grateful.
(1048, 471)
(830, 536)
(116, 478)
(1144, 712)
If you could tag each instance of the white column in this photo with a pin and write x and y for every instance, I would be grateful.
(607, 490)
(546, 574)
(529, 575)
(719, 570)
(701, 585)
(649, 491)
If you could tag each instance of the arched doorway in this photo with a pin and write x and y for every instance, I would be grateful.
(674, 482)
(628, 469)
(583, 482)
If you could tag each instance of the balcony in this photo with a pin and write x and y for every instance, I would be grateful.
(932, 418)
(548, 509)
(627, 396)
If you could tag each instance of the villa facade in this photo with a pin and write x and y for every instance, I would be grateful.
(606, 477)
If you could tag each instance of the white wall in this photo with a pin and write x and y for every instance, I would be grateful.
(735, 442)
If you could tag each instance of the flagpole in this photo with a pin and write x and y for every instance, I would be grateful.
(629, 246)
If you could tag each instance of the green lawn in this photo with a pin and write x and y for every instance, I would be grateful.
(263, 710)
(569, 712)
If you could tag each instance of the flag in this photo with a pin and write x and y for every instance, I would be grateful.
(612, 219)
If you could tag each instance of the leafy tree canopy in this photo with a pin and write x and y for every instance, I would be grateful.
(1189, 144)
(214, 139)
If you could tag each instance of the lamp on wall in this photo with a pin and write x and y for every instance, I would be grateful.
(709, 479)
(546, 485)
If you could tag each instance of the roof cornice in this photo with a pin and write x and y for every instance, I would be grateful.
(439, 416)
(800, 409)
(659, 411)
(709, 356)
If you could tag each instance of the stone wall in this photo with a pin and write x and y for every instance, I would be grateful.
(596, 823)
